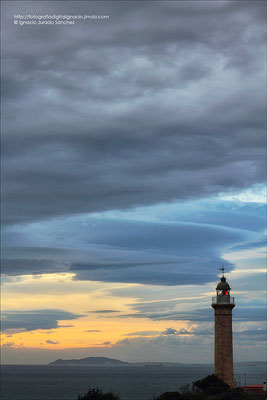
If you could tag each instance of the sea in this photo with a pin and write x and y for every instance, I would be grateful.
(44, 382)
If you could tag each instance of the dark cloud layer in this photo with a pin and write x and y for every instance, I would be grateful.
(163, 101)
(246, 335)
(120, 250)
(257, 313)
(176, 245)
(194, 337)
(157, 253)
(34, 319)
(197, 312)
(20, 266)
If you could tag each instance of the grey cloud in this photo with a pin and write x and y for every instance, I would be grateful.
(165, 340)
(67, 326)
(152, 275)
(164, 249)
(118, 250)
(103, 312)
(51, 342)
(106, 343)
(189, 339)
(124, 341)
(143, 333)
(251, 334)
(160, 306)
(20, 266)
(150, 106)
(255, 313)
(149, 235)
(252, 245)
(201, 315)
(92, 330)
(169, 331)
(34, 319)
(183, 332)
(180, 249)
(8, 344)
(231, 214)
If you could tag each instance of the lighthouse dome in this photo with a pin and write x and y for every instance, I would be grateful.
(223, 285)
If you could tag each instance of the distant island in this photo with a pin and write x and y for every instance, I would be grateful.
(112, 362)
(109, 362)
(94, 361)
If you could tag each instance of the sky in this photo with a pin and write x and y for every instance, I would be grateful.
(133, 168)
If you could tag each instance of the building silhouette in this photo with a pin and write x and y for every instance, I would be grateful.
(223, 304)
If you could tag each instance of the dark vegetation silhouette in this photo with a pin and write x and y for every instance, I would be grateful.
(209, 388)
(211, 385)
(97, 394)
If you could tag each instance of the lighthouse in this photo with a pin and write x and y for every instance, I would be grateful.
(223, 304)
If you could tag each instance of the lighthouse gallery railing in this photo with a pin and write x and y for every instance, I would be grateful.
(223, 300)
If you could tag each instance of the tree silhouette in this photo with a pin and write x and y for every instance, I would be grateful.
(211, 385)
(97, 394)
(170, 396)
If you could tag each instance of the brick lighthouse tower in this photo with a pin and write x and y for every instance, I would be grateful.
(223, 304)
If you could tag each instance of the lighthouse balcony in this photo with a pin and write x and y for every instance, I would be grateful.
(223, 300)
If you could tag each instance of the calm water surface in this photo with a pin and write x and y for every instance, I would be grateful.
(130, 383)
